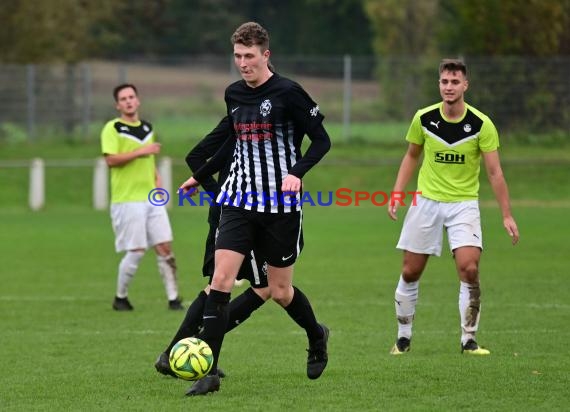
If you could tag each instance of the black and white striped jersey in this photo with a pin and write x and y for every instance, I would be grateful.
(268, 124)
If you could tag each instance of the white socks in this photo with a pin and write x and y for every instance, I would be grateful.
(167, 269)
(469, 309)
(406, 297)
(127, 269)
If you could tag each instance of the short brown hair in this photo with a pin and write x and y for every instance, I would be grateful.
(120, 87)
(251, 34)
(453, 65)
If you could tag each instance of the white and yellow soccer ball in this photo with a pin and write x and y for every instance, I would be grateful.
(191, 359)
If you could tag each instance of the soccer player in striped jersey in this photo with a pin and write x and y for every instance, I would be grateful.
(453, 136)
(129, 146)
(253, 269)
(269, 116)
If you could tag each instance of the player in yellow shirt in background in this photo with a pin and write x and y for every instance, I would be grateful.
(129, 146)
(453, 135)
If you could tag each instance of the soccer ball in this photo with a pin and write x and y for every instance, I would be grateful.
(191, 359)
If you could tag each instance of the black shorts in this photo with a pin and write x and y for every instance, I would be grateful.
(252, 269)
(275, 236)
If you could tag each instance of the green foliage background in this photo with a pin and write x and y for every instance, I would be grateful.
(69, 31)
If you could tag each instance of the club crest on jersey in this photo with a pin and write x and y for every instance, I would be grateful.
(145, 128)
(265, 107)
(467, 128)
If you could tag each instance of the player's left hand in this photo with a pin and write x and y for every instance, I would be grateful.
(392, 210)
(511, 227)
(190, 185)
(291, 184)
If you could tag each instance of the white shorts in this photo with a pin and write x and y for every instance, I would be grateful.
(422, 231)
(139, 225)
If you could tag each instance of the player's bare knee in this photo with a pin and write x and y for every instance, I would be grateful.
(410, 274)
(413, 266)
(469, 273)
(223, 281)
(281, 296)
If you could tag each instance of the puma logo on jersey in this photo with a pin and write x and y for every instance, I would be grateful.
(436, 124)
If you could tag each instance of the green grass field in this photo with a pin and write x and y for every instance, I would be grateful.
(63, 348)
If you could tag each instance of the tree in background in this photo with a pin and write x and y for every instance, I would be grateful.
(183, 27)
(422, 32)
(51, 30)
(504, 27)
(157, 28)
(403, 27)
(319, 27)
(405, 43)
(408, 38)
(527, 38)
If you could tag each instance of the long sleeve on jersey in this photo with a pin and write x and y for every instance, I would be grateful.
(218, 161)
(206, 149)
(320, 145)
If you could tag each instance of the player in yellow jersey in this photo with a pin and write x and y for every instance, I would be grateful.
(452, 136)
(129, 147)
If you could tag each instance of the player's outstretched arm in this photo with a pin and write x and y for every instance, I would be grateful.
(501, 190)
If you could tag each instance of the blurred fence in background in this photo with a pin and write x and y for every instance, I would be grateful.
(36, 101)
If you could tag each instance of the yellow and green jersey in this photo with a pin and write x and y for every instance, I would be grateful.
(133, 181)
(452, 151)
